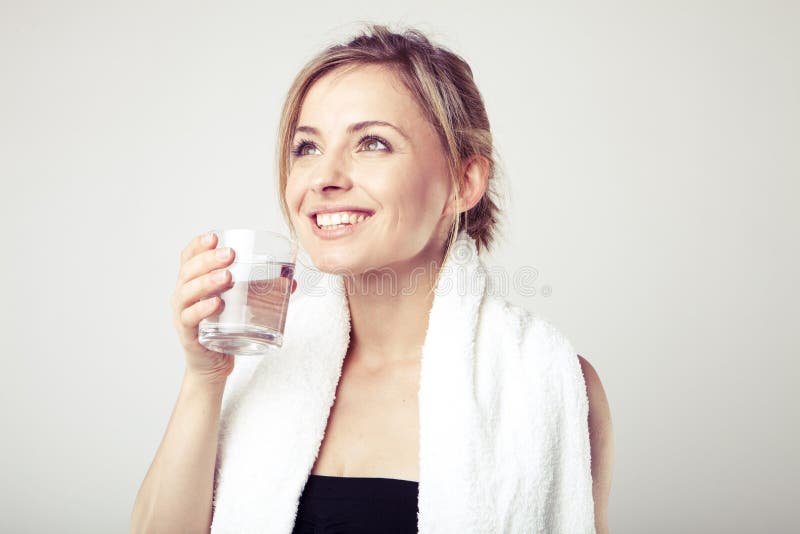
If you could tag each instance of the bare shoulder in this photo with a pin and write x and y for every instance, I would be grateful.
(600, 427)
(595, 391)
(602, 443)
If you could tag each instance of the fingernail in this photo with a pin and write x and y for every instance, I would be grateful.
(207, 239)
(223, 253)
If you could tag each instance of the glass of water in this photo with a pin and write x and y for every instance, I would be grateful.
(253, 315)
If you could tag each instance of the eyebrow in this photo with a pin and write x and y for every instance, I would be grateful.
(353, 128)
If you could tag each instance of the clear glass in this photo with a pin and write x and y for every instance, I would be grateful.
(252, 318)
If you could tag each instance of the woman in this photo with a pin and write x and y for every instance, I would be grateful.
(421, 395)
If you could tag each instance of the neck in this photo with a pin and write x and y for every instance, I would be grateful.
(389, 311)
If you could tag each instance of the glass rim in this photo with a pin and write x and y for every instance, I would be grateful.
(219, 231)
(258, 254)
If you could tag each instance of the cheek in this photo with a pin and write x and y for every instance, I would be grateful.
(293, 198)
(294, 183)
(412, 197)
(427, 186)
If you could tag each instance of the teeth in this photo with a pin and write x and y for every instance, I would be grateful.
(335, 220)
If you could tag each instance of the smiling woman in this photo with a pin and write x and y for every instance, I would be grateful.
(426, 408)
(432, 92)
(390, 167)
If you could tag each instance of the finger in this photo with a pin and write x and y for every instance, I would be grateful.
(204, 286)
(197, 245)
(204, 262)
(190, 317)
(294, 285)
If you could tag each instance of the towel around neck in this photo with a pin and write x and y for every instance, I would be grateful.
(504, 443)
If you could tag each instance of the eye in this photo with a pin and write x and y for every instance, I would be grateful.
(373, 143)
(302, 148)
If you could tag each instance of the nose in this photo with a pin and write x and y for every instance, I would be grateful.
(331, 172)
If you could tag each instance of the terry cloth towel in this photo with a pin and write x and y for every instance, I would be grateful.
(503, 414)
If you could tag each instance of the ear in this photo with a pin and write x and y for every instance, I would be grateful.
(475, 182)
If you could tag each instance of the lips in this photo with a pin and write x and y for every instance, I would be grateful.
(324, 220)
(336, 231)
(330, 208)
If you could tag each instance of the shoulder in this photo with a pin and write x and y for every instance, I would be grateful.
(594, 389)
(599, 410)
(519, 323)
(601, 441)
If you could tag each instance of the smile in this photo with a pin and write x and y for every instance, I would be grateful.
(340, 224)
(330, 221)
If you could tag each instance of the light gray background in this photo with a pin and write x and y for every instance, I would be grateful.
(651, 162)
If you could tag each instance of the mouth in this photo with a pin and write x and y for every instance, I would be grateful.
(331, 221)
(333, 225)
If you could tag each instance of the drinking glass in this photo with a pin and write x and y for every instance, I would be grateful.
(253, 316)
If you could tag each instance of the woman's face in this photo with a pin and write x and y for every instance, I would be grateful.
(362, 141)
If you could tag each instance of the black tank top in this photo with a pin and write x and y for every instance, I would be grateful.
(339, 505)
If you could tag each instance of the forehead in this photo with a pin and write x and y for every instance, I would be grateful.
(365, 92)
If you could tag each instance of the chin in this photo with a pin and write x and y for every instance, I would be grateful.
(334, 262)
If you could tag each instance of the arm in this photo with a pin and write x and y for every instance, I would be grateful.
(176, 494)
(602, 444)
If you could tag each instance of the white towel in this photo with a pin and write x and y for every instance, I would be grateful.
(504, 441)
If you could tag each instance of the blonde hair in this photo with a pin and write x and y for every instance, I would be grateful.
(441, 83)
